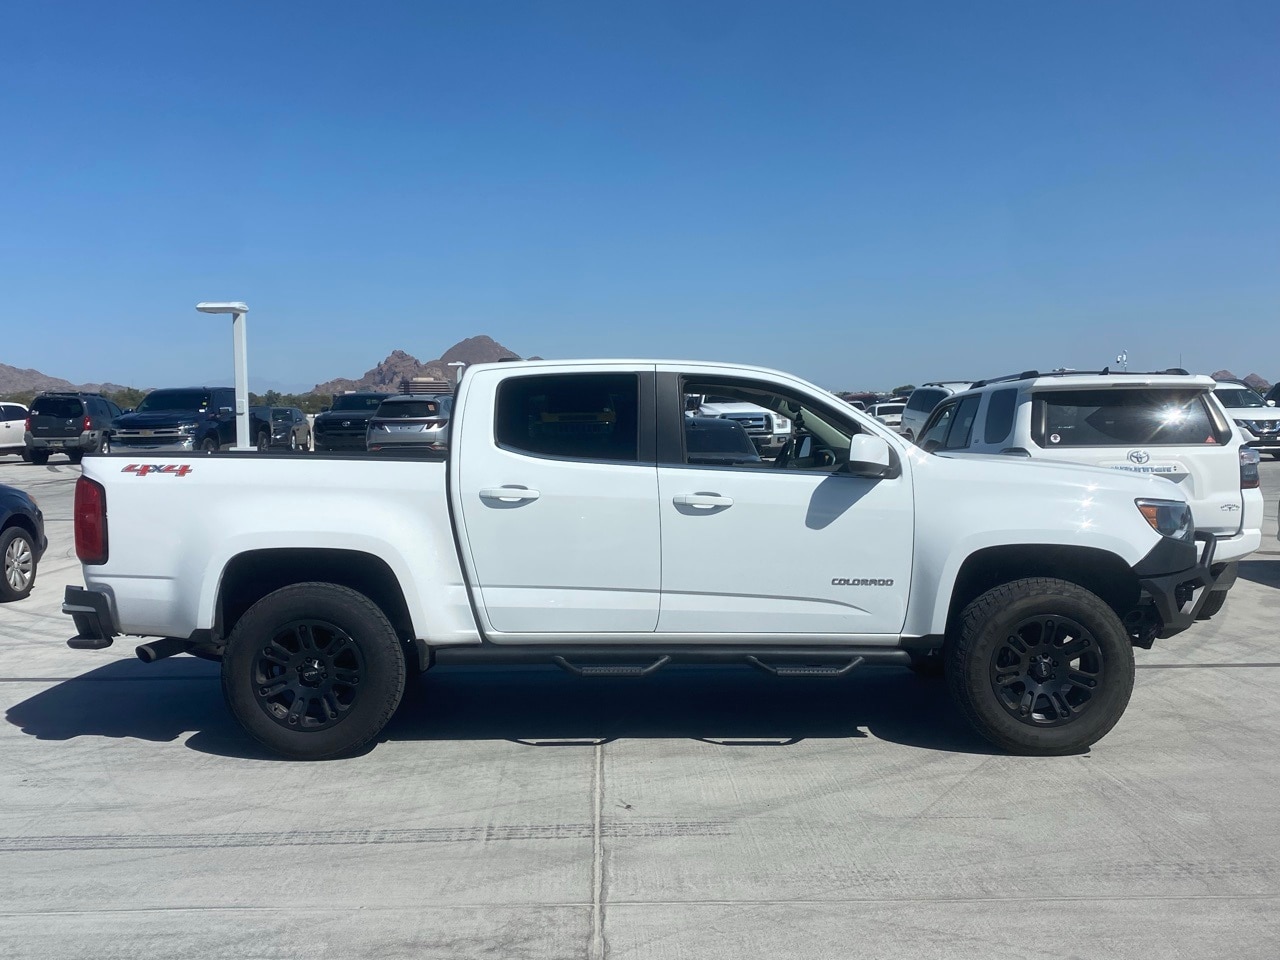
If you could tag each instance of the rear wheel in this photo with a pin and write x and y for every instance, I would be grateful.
(293, 442)
(75, 456)
(313, 670)
(17, 564)
(209, 445)
(264, 442)
(39, 457)
(1041, 667)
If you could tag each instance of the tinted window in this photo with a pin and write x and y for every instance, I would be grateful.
(962, 423)
(12, 412)
(281, 415)
(925, 399)
(1000, 407)
(63, 408)
(589, 415)
(935, 430)
(408, 409)
(1123, 418)
(162, 400)
(1238, 397)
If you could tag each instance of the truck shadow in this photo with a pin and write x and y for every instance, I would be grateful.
(531, 706)
(1265, 572)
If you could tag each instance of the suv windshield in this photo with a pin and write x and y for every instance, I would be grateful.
(160, 400)
(1239, 397)
(357, 403)
(281, 414)
(63, 408)
(1123, 418)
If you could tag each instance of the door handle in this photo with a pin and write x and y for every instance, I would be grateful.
(704, 501)
(508, 494)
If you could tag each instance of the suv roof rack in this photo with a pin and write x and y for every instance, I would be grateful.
(69, 393)
(1104, 372)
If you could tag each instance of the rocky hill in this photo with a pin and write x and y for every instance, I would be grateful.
(20, 380)
(1253, 380)
(386, 376)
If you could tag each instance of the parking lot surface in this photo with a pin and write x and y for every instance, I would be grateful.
(696, 814)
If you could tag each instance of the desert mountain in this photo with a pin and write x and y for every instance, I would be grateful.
(19, 380)
(1253, 380)
(386, 376)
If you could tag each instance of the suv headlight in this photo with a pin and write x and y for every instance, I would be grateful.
(187, 428)
(1169, 518)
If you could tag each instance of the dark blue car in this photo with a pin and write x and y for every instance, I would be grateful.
(22, 543)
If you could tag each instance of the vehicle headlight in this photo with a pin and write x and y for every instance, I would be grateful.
(1169, 518)
(187, 428)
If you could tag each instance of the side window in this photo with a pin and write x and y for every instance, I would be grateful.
(935, 431)
(11, 412)
(113, 410)
(962, 423)
(1000, 409)
(588, 416)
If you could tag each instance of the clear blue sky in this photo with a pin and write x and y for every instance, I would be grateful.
(862, 193)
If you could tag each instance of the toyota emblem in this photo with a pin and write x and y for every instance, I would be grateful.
(1139, 456)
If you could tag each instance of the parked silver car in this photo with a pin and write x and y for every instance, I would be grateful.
(407, 423)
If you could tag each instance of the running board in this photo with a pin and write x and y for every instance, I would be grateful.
(610, 669)
(640, 660)
(807, 669)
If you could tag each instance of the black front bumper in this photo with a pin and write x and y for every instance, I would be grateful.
(1178, 597)
(95, 626)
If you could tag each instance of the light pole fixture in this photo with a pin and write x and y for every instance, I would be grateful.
(240, 355)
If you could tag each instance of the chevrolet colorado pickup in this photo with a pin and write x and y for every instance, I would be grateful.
(568, 523)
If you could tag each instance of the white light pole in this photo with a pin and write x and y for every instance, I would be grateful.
(457, 377)
(240, 356)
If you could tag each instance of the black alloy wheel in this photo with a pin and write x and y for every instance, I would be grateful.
(307, 676)
(1040, 667)
(1046, 670)
(313, 670)
(264, 442)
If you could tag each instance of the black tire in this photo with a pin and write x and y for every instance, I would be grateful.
(1213, 605)
(929, 667)
(1040, 667)
(209, 445)
(293, 443)
(17, 564)
(325, 656)
(39, 457)
(75, 456)
(26, 455)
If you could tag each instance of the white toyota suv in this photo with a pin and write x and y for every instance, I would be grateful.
(1167, 424)
(1258, 419)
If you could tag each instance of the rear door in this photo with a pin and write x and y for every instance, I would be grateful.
(57, 418)
(555, 494)
(1178, 433)
(12, 425)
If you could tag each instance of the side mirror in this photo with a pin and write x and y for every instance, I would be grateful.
(1271, 403)
(869, 456)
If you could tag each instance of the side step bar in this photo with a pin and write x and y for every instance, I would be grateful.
(640, 660)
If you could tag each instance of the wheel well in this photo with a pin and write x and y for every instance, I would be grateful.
(251, 576)
(1098, 571)
(18, 520)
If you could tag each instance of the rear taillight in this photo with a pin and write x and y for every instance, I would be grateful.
(28, 426)
(90, 521)
(87, 425)
(1249, 459)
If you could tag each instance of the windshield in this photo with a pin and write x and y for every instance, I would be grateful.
(163, 400)
(281, 414)
(357, 402)
(1238, 397)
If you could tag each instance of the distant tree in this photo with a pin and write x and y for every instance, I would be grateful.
(903, 390)
(128, 398)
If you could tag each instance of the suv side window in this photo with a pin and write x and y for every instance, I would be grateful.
(223, 398)
(935, 431)
(581, 416)
(925, 398)
(11, 411)
(962, 423)
(1000, 410)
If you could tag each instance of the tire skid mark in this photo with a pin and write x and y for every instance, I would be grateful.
(306, 838)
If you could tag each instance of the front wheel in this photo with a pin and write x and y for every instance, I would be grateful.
(313, 671)
(1041, 667)
(264, 443)
(209, 445)
(75, 456)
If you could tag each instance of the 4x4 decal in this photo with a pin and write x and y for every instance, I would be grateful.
(142, 469)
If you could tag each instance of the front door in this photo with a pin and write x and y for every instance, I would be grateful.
(789, 545)
(556, 492)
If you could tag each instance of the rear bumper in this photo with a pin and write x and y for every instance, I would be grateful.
(83, 442)
(1178, 597)
(97, 627)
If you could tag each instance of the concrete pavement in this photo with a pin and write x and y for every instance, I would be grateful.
(697, 814)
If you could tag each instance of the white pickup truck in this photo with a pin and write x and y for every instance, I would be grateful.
(567, 524)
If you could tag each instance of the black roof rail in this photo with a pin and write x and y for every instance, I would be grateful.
(1024, 375)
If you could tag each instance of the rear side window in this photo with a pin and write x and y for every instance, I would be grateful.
(962, 424)
(925, 399)
(1124, 418)
(63, 408)
(591, 416)
(1000, 408)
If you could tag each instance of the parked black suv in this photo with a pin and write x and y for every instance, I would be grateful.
(345, 424)
(70, 423)
(184, 418)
